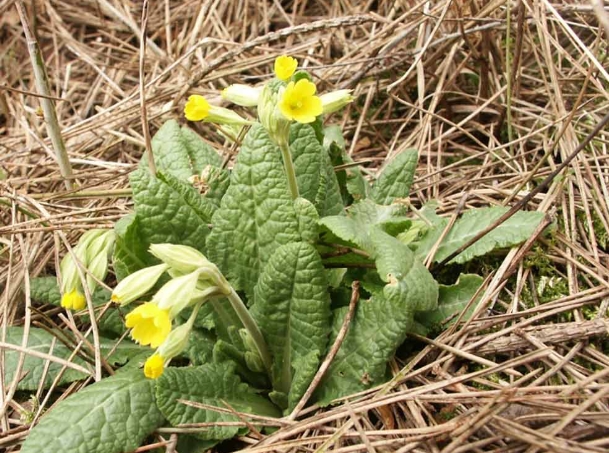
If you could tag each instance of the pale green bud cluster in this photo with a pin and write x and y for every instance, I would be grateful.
(92, 253)
(243, 95)
(271, 118)
(194, 280)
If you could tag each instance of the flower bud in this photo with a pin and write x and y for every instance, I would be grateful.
(176, 294)
(176, 342)
(182, 258)
(243, 95)
(277, 125)
(335, 100)
(137, 284)
(97, 270)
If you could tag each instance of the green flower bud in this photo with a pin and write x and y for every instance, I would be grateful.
(98, 269)
(176, 342)
(176, 294)
(70, 277)
(181, 258)
(137, 284)
(243, 95)
(271, 118)
(335, 100)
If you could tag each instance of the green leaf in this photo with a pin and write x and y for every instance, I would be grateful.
(396, 178)
(217, 180)
(361, 217)
(381, 323)
(452, 300)
(513, 231)
(168, 212)
(292, 308)
(190, 444)
(352, 183)
(130, 248)
(307, 156)
(113, 415)
(45, 290)
(375, 332)
(180, 151)
(122, 353)
(314, 172)
(200, 347)
(39, 340)
(211, 384)
(257, 214)
(202, 206)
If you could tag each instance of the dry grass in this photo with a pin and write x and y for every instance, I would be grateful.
(492, 114)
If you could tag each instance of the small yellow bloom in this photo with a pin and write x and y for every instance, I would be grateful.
(285, 67)
(153, 368)
(150, 324)
(299, 102)
(74, 300)
(197, 108)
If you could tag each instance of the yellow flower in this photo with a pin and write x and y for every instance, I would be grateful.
(299, 102)
(153, 368)
(285, 67)
(197, 108)
(150, 324)
(74, 300)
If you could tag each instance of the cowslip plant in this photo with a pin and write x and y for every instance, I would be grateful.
(237, 282)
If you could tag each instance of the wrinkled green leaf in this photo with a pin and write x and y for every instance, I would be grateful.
(351, 182)
(209, 384)
(130, 248)
(39, 340)
(217, 181)
(452, 300)
(180, 151)
(257, 214)
(396, 178)
(361, 217)
(292, 309)
(168, 212)
(307, 156)
(200, 347)
(381, 323)
(113, 415)
(45, 290)
(513, 231)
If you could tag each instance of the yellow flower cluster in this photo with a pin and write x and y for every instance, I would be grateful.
(151, 322)
(296, 100)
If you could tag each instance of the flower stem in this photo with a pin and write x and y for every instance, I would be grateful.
(251, 326)
(289, 169)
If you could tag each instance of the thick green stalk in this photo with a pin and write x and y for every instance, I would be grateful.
(290, 173)
(252, 328)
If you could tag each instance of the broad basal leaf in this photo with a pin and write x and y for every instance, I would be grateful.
(395, 178)
(375, 332)
(257, 214)
(181, 152)
(39, 340)
(292, 308)
(314, 172)
(381, 323)
(350, 179)
(168, 210)
(45, 290)
(361, 217)
(130, 248)
(113, 415)
(452, 300)
(513, 231)
(211, 384)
